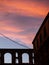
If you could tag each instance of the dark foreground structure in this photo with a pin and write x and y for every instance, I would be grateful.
(41, 43)
(40, 53)
(16, 56)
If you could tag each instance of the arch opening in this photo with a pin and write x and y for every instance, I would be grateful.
(8, 58)
(25, 58)
(17, 61)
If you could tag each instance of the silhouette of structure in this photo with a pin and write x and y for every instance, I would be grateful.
(15, 57)
(41, 43)
(40, 53)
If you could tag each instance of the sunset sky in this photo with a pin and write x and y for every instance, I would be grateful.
(20, 20)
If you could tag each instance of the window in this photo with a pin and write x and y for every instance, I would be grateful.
(45, 33)
(37, 42)
(36, 45)
(0, 54)
(16, 54)
(0, 61)
(32, 54)
(33, 58)
(25, 58)
(8, 58)
(33, 61)
(40, 38)
(17, 60)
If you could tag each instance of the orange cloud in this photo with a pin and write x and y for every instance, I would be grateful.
(19, 7)
(26, 8)
(5, 27)
(13, 33)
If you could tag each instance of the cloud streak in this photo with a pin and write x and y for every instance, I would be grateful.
(26, 8)
(19, 27)
(21, 19)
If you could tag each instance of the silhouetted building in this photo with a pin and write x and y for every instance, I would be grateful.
(16, 56)
(41, 43)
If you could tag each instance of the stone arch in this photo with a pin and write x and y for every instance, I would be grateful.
(25, 58)
(8, 58)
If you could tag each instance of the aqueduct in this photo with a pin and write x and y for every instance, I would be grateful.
(16, 56)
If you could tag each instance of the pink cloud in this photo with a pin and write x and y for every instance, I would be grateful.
(21, 19)
(25, 7)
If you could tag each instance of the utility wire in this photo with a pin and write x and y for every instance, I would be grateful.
(13, 41)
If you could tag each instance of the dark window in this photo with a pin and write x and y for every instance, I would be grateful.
(36, 45)
(0, 54)
(40, 38)
(37, 42)
(0, 61)
(45, 32)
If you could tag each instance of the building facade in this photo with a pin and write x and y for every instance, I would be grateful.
(16, 56)
(41, 43)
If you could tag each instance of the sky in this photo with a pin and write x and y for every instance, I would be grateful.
(20, 21)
